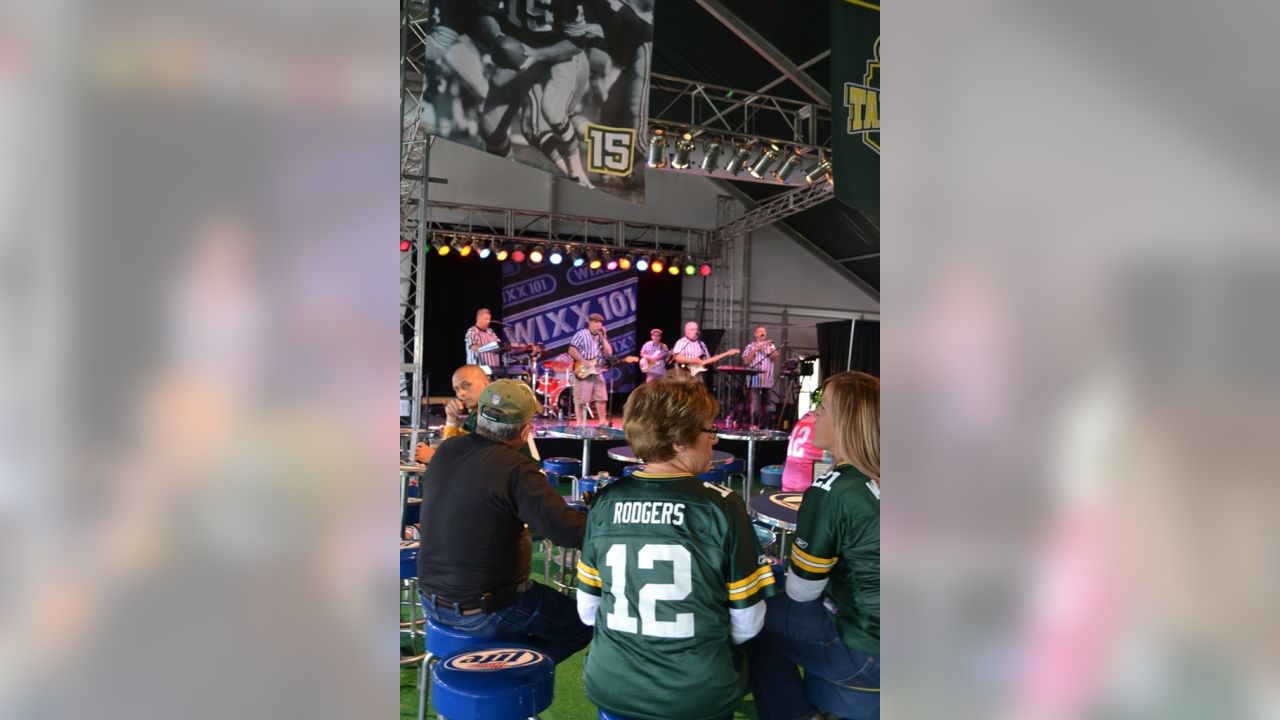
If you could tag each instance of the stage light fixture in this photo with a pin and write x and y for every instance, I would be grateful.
(464, 247)
(762, 163)
(689, 267)
(536, 254)
(657, 150)
(610, 263)
(821, 170)
(642, 263)
(624, 262)
(556, 256)
(593, 259)
(657, 265)
(486, 249)
(704, 269)
(684, 152)
(501, 251)
(734, 166)
(711, 155)
(576, 258)
(518, 254)
(789, 166)
(405, 245)
(674, 268)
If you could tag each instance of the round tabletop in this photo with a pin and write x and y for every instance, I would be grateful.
(627, 455)
(757, 435)
(414, 467)
(780, 509)
(590, 432)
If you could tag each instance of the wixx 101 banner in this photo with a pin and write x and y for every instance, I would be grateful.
(547, 304)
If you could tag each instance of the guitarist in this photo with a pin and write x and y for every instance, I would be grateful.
(590, 343)
(654, 355)
(689, 350)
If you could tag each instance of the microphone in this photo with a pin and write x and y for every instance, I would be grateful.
(496, 322)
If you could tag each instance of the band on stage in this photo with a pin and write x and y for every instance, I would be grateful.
(578, 384)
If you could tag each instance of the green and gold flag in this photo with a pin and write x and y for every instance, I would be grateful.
(855, 103)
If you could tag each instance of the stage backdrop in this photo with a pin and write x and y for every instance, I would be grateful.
(561, 85)
(547, 304)
(855, 103)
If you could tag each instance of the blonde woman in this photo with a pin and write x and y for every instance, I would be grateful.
(828, 621)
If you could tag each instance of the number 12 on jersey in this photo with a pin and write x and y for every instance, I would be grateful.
(620, 617)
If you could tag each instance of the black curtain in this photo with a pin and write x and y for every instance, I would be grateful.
(833, 347)
(657, 306)
(866, 347)
(455, 288)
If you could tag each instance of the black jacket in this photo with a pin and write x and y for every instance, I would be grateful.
(477, 495)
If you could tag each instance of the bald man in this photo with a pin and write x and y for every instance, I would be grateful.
(468, 382)
(689, 350)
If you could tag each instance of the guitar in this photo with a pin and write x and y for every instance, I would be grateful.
(583, 369)
(646, 364)
(696, 370)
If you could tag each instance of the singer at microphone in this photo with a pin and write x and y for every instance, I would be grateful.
(480, 335)
(587, 347)
(760, 354)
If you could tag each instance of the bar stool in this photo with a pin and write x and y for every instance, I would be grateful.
(494, 682)
(441, 642)
(558, 468)
(771, 476)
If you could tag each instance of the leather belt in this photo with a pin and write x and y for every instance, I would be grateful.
(487, 603)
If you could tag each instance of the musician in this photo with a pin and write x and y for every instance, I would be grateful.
(689, 350)
(760, 354)
(478, 336)
(655, 352)
(590, 343)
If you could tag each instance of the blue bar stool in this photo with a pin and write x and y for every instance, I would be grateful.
(771, 476)
(840, 700)
(442, 642)
(494, 682)
(558, 468)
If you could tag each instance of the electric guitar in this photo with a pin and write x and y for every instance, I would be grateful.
(583, 369)
(696, 370)
(646, 364)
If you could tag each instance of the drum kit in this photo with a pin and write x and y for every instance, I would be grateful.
(551, 380)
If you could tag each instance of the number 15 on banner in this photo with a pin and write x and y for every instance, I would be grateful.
(610, 150)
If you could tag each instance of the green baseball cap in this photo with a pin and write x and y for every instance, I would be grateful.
(507, 401)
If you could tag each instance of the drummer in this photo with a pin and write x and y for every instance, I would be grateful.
(828, 621)
(468, 382)
(663, 521)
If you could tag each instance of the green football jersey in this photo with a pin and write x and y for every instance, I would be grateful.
(838, 540)
(670, 557)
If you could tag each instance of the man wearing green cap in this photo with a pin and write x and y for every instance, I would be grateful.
(478, 494)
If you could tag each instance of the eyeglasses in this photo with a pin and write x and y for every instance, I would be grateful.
(711, 430)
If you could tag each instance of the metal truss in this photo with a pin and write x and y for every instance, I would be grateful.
(775, 209)
(529, 226)
(750, 116)
(415, 149)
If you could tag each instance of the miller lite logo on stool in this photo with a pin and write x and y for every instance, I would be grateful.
(491, 659)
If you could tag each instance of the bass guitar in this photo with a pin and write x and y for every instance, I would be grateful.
(696, 370)
(583, 369)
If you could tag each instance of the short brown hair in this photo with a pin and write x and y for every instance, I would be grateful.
(853, 399)
(660, 414)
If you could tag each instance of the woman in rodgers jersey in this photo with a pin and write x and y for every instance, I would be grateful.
(828, 621)
(672, 575)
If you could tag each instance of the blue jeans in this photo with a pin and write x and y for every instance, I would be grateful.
(804, 634)
(540, 617)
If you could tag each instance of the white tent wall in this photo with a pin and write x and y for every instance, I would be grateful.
(781, 274)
